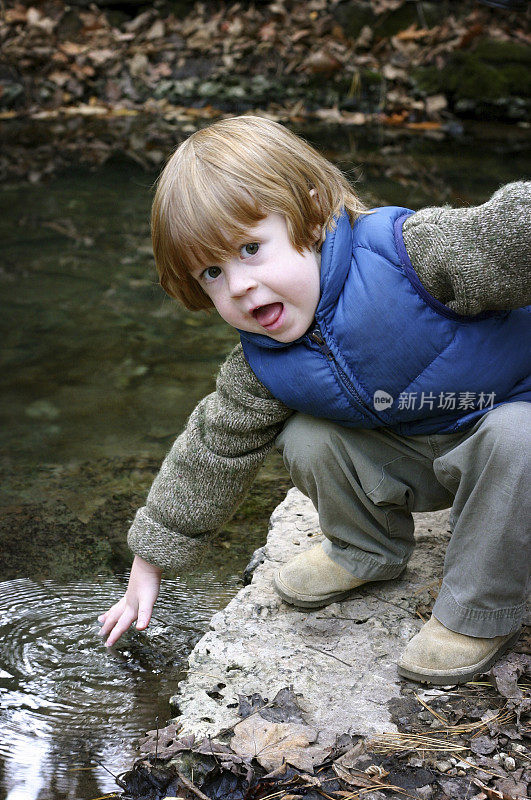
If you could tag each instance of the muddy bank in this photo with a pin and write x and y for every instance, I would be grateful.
(69, 522)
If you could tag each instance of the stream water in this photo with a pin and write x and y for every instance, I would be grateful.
(99, 372)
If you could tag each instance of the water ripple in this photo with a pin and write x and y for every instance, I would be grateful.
(66, 700)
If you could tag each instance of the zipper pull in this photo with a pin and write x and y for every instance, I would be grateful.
(316, 336)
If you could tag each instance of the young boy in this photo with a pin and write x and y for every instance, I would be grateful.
(385, 352)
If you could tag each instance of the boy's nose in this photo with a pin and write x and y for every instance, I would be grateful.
(240, 281)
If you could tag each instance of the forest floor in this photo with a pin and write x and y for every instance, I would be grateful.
(81, 81)
(456, 743)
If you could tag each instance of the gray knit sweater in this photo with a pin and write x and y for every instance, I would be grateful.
(471, 259)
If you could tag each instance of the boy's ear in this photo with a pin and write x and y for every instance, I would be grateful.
(315, 197)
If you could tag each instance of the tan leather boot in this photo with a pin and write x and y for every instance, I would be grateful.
(313, 580)
(442, 657)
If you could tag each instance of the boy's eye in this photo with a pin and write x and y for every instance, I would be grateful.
(250, 249)
(211, 273)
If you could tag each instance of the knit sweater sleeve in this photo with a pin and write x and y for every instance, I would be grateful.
(209, 469)
(475, 259)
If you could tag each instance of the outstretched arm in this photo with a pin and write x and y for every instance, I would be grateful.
(202, 481)
(475, 259)
(209, 469)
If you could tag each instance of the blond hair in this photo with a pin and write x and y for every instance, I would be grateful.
(223, 180)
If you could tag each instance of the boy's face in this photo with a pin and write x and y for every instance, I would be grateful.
(267, 287)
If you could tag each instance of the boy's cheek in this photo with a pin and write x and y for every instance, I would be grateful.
(225, 315)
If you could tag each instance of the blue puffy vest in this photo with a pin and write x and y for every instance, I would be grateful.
(383, 352)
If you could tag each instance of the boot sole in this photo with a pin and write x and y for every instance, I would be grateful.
(326, 600)
(463, 675)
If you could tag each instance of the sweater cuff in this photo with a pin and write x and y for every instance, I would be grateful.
(163, 547)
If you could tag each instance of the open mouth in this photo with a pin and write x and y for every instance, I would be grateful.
(267, 316)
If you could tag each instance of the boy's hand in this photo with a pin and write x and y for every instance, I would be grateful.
(137, 603)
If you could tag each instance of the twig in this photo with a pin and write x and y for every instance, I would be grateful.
(357, 620)
(257, 711)
(214, 756)
(311, 647)
(105, 796)
(120, 783)
(483, 769)
(518, 755)
(357, 794)
(192, 787)
(275, 794)
(403, 741)
(427, 586)
(80, 769)
(426, 706)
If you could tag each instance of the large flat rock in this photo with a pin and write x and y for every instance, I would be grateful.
(340, 659)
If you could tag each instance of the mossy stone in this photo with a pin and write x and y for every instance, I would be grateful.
(495, 52)
(353, 17)
(493, 70)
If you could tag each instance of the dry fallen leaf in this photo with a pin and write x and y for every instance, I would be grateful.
(271, 743)
(412, 34)
(321, 63)
(16, 14)
(156, 31)
(72, 48)
(505, 674)
(383, 6)
(492, 794)
(100, 57)
(423, 126)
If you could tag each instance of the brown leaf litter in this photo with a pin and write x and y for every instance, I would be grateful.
(58, 56)
(453, 743)
(71, 71)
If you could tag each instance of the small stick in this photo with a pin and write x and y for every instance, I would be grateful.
(311, 647)
(426, 706)
(192, 787)
(214, 756)
(120, 783)
(106, 796)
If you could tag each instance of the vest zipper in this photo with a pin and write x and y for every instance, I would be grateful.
(316, 336)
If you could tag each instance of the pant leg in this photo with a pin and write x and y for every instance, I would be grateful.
(486, 569)
(364, 485)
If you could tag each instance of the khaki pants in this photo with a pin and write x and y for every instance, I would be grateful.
(366, 483)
